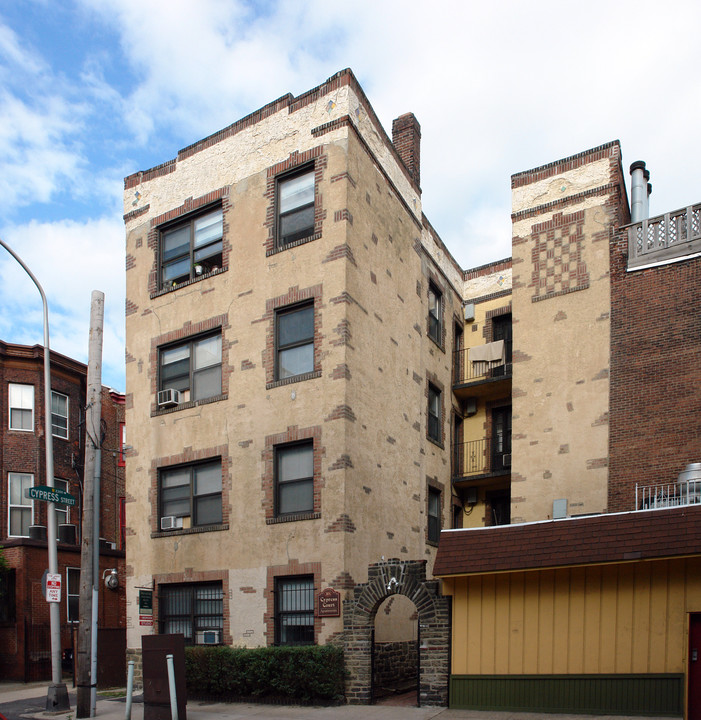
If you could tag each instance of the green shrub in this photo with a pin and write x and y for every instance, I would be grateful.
(309, 674)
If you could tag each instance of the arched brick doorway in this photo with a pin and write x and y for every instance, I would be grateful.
(384, 580)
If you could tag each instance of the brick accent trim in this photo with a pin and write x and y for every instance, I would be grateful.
(293, 567)
(190, 330)
(197, 576)
(488, 269)
(608, 150)
(316, 159)
(294, 296)
(190, 456)
(291, 435)
(556, 256)
(190, 205)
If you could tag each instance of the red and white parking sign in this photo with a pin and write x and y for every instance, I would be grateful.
(53, 587)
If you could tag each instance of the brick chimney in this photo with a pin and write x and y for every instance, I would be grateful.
(406, 138)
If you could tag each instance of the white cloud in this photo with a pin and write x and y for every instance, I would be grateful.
(70, 260)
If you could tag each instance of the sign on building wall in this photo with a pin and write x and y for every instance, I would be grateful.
(329, 604)
(146, 608)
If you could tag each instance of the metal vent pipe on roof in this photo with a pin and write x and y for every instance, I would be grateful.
(640, 192)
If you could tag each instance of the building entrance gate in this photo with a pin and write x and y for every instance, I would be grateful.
(395, 577)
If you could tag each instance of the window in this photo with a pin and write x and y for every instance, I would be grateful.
(122, 444)
(294, 475)
(59, 415)
(191, 248)
(434, 515)
(295, 216)
(294, 610)
(194, 609)
(193, 368)
(72, 593)
(21, 509)
(21, 407)
(61, 510)
(8, 598)
(435, 314)
(434, 414)
(295, 342)
(192, 492)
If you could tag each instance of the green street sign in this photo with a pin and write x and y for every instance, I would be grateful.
(49, 494)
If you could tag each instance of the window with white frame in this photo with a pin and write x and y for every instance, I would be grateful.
(20, 508)
(72, 593)
(61, 511)
(193, 368)
(21, 407)
(59, 415)
(191, 248)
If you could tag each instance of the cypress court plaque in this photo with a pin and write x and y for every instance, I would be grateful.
(329, 603)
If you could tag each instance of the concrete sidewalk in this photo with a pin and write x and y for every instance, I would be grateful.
(115, 709)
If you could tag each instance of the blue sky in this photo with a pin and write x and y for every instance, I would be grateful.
(93, 90)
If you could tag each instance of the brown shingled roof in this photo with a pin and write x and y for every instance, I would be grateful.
(576, 541)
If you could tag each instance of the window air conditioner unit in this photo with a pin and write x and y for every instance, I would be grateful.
(170, 522)
(168, 398)
(209, 637)
(506, 460)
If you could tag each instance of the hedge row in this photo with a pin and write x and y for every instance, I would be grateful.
(310, 674)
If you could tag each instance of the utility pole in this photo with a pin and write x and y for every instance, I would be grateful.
(90, 545)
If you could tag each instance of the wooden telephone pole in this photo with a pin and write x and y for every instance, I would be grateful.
(90, 544)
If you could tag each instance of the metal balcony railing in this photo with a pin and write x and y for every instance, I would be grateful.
(481, 457)
(667, 495)
(665, 237)
(465, 371)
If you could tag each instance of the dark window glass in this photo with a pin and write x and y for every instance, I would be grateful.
(295, 342)
(192, 491)
(191, 248)
(8, 600)
(295, 208)
(73, 593)
(435, 314)
(434, 514)
(294, 478)
(294, 611)
(195, 609)
(434, 413)
(193, 368)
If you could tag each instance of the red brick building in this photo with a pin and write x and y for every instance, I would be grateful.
(24, 613)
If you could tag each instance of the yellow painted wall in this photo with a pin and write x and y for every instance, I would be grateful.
(626, 618)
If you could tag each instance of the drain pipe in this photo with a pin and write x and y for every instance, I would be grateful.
(638, 191)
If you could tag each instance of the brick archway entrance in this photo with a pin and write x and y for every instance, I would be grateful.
(397, 577)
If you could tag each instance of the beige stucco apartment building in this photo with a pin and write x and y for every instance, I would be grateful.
(290, 319)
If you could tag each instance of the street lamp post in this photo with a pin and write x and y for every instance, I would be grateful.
(57, 696)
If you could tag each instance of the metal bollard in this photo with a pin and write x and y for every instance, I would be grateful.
(130, 687)
(171, 686)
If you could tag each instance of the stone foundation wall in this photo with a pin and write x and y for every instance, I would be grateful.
(135, 655)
